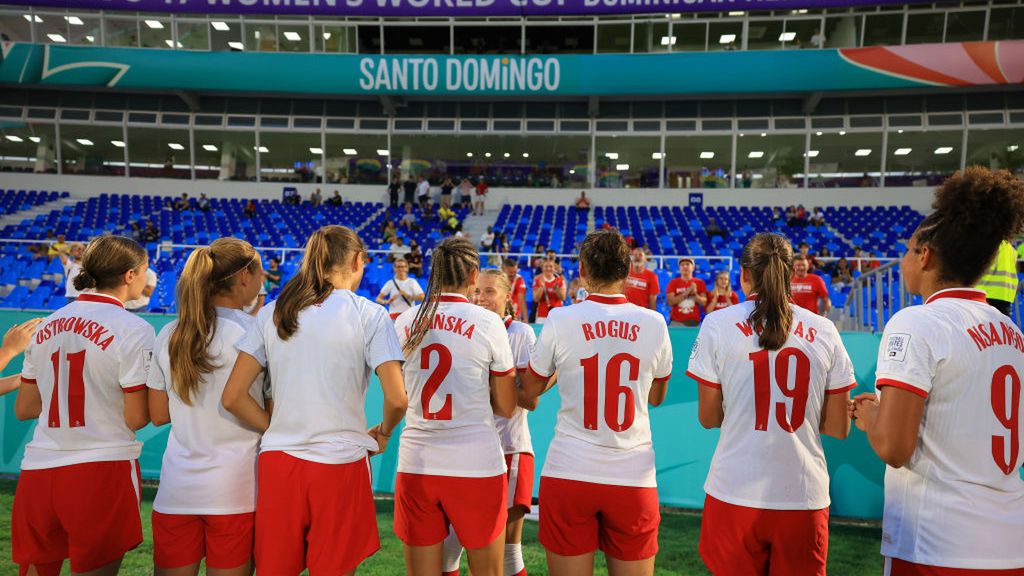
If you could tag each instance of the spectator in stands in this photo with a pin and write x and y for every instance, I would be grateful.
(183, 203)
(401, 292)
(423, 193)
(409, 190)
(273, 274)
(550, 254)
(867, 181)
(465, 191)
(393, 189)
(446, 190)
(487, 240)
(842, 276)
(511, 268)
(168, 206)
(537, 260)
(502, 244)
(818, 218)
(641, 287)
(291, 197)
(805, 251)
(583, 203)
(791, 219)
(141, 304)
(203, 203)
(316, 198)
(713, 229)
(397, 250)
(652, 264)
(415, 258)
(746, 179)
(71, 259)
(135, 232)
(408, 220)
(57, 247)
(721, 295)
(335, 200)
(808, 290)
(388, 232)
(151, 233)
(801, 216)
(480, 197)
(858, 265)
(548, 290)
(817, 39)
(250, 209)
(685, 295)
(874, 262)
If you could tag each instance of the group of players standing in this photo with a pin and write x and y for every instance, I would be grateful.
(277, 401)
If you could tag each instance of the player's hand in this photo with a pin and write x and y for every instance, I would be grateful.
(18, 336)
(381, 439)
(864, 411)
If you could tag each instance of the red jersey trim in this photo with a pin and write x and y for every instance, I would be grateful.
(535, 373)
(846, 388)
(664, 378)
(101, 298)
(963, 293)
(700, 380)
(602, 299)
(28, 380)
(901, 385)
(508, 372)
(133, 388)
(508, 322)
(453, 298)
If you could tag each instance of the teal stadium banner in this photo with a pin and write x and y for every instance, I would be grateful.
(683, 448)
(726, 72)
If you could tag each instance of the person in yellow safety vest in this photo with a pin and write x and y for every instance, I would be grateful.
(1000, 282)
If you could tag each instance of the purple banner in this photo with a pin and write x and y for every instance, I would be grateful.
(424, 8)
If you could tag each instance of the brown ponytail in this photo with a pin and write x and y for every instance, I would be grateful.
(768, 259)
(327, 248)
(505, 284)
(208, 271)
(105, 261)
(451, 264)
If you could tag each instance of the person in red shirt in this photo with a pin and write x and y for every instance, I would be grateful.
(481, 195)
(548, 290)
(808, 289)
(511, 268)
(722, 295)
(641, 286)
(686, 295)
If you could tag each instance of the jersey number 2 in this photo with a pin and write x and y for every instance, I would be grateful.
(612, 390)
(76, 389)
(1008, 416)
(444, 365)
(763, 388)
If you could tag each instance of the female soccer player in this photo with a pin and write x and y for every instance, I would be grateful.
(78, 493)
(207, 496)
(598, 488)
(451, 467)
(774, 377)
(319, 342)
(494, 293)
(947, 418)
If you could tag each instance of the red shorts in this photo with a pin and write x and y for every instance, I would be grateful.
(86, 512)
(741, 540)
(581, 517)
(897, 567)
(520, 480)
(308, 514)
(426, 505)
(225, 540)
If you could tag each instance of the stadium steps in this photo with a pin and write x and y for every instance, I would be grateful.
(475, 226)
(16, 218)
(375, 218)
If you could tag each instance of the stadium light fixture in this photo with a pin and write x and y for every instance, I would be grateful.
(707, 155)
(862, 152)
(818, 133)
(900, 131)
(813, 153)
(90, 39)
(763, 134)
(842, 132)
(737, 13)
(526, 154)
(32, 18)
(506, 154)
(173, 44)
(315, 150)
(236, 45)
(657, 156)
(787, 36)
(327, 35)
(220, 26)
(293, 36)
(350, 151)
(668, 40)
(175, 146)
(1012, 148)
(35, 139)
(726, 38)
(902, 151)
(487, 154)
(117, 143)
(56, 38)
(469, 154)
(14, 138)
(84, 141)
(155, 24)
(261, 149)
(622, 166)
(756, 154)
(382, 152)
(209, 147)
(572, 171)
(611, 155)
(943, 149)
(74, 20)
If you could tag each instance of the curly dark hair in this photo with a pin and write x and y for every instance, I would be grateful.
(974, 211)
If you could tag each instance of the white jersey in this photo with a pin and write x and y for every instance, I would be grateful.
(209, 465)
(608, 354)
(84, 358)
(514, 432)
(143, 301)
(959, 501)
(319, 376)
(71, 269)
(449, 426)
(769, 453)
(394, 287)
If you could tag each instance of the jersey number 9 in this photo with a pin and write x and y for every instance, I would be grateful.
(1006, 377)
